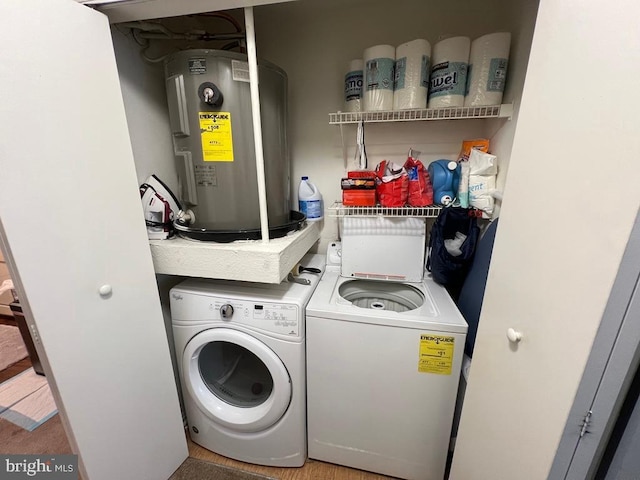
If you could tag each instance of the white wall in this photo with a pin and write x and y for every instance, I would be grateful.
(145, 102)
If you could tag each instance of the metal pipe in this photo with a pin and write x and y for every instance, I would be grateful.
(257, 124)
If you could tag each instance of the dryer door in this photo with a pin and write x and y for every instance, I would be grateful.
(236, 380)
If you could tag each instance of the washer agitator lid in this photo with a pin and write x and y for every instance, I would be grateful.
(236, 380)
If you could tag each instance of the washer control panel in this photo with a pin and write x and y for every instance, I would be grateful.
(279, 318)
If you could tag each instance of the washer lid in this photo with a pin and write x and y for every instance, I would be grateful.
(236, 380)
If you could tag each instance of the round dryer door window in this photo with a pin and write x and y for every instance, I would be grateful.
(236, 380)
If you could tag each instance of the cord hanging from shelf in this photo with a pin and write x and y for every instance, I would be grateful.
(361, 154)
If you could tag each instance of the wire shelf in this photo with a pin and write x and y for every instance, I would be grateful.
(340, 210)
(448, 113)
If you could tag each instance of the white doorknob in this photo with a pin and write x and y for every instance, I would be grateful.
(105, 290)
(514, 336)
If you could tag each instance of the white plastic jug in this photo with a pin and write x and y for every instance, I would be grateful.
(310, 200)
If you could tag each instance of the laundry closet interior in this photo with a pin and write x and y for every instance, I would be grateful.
(313, 41)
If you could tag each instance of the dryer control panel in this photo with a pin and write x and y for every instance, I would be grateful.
(279, 318)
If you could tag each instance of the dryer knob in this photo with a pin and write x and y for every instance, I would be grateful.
(226, 311)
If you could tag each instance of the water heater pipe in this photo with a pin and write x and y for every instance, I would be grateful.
(257, 124)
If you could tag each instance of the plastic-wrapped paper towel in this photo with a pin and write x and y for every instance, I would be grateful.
(353, 81)
(488, 63)
(411, 81)
(448, 80)
(378, 85)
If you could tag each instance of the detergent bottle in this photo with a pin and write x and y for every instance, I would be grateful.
(445, 178)
(310, 200)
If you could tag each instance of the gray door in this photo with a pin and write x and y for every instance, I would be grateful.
(620, 460)
(610, 371)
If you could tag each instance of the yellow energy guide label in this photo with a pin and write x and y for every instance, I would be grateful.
(436, 354)
(216, 137)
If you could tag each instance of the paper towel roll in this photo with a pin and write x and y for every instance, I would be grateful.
(488, 62)
(378, 85)
(411, 79)
(353, 86)
(448, 80)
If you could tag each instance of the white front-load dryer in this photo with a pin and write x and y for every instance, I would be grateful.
(240, 351)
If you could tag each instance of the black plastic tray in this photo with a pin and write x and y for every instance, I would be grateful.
(226, 236)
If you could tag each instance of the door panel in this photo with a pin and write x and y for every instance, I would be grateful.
(559, 247)
(72, 227)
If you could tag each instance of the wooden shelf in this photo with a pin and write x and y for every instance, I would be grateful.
(250, 261)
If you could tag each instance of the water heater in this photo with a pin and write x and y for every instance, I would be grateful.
(210, 114)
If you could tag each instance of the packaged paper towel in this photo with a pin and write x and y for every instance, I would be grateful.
(379, 62)
(483, 168)
(448, 78)
(411, 80)
(487, 74)
(353, 80)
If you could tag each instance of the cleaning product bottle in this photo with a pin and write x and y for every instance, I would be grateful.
(445, 178)
(310, 200)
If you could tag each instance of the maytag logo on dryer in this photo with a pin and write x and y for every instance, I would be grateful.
(176, 296)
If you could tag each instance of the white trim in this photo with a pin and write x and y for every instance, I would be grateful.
(131, 10)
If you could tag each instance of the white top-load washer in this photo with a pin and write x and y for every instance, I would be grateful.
(383, 365)
(240, 351)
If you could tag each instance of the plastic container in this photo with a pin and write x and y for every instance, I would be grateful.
(445, 178)
(310, 200)
(359, 198)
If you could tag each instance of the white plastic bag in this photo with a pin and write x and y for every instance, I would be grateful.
(483, 168)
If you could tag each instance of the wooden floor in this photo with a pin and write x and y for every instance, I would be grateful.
(32, 442)
(16, 368)
(48, 439)
(311, 470)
